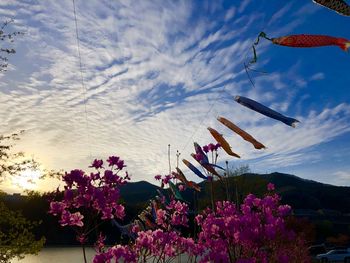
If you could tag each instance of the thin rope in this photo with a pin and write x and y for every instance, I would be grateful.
(264, 24)
(253, 61)
(200, 124)
(82, 76)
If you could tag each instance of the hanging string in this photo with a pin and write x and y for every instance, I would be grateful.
(81, 75)
(200, 124)
(246, 67)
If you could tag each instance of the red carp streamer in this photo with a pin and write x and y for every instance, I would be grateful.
(312, 41)
(339, 6)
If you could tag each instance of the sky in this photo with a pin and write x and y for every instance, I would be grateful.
(161, 72)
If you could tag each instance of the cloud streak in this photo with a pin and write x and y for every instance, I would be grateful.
(156, 73)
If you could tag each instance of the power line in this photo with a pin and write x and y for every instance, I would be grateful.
(81, 75)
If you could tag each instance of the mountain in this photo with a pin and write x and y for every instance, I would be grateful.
(307, 194)
(327, 206)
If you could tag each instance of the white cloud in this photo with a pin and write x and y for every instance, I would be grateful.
(317, 76)
(342, 175)
(154, 76)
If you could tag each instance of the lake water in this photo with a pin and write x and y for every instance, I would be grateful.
(66, 255)
(59, 254)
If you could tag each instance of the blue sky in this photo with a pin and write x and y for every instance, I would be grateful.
(161, 72)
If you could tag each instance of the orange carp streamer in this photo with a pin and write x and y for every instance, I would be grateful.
(224, 144)
(339, 6)
(246, 136)
(312, 41)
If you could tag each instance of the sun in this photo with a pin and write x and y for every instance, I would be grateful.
(27, 180)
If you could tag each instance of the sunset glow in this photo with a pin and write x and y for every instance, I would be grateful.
(26, 180)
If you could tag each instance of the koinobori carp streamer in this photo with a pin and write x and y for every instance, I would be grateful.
(194, 169)
(339, 6)
(246, 136)
(304, 40)
(256, 106)
(180, 175)
(207, 166)
(175, 191)
(224, 144)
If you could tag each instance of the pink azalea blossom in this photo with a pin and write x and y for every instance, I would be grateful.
(211, 147)
(76, 219)
(97, 164)
(158, 177)
(270, 187)
(206, 148)
(81, 238)
(181, 187)
(57, 208)
(113, 160)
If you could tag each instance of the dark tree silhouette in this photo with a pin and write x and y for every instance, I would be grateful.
(5, 39)
(13, 163)
(16, 236)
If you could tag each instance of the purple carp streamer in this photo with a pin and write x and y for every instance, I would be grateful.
(194, 169)
(206, 166)
(339, 6)
(255, 106)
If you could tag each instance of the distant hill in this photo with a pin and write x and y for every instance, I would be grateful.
(138, 192)
(307, 194)
(327, 206)
(295, 191)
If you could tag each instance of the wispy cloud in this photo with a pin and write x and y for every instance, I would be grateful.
(156, 73)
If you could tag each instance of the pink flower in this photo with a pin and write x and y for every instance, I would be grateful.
(166, 179)
(158, 177)
(120, 164)
(65, 218)
(206, 148)
(81, 238)
(217, 146)
(99, 245)
(123, 254)
(76, 219)
(284, 210)
(57, 208)
(161, 217)
(119, 211)
(103, 258)
(270, 187)
(135, 228)
(107, 213)
(113, 160)
(97, 164)
(211, 147)
(181, 187)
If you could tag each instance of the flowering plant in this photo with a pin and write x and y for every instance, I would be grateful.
(87, 197)
(254, 232)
